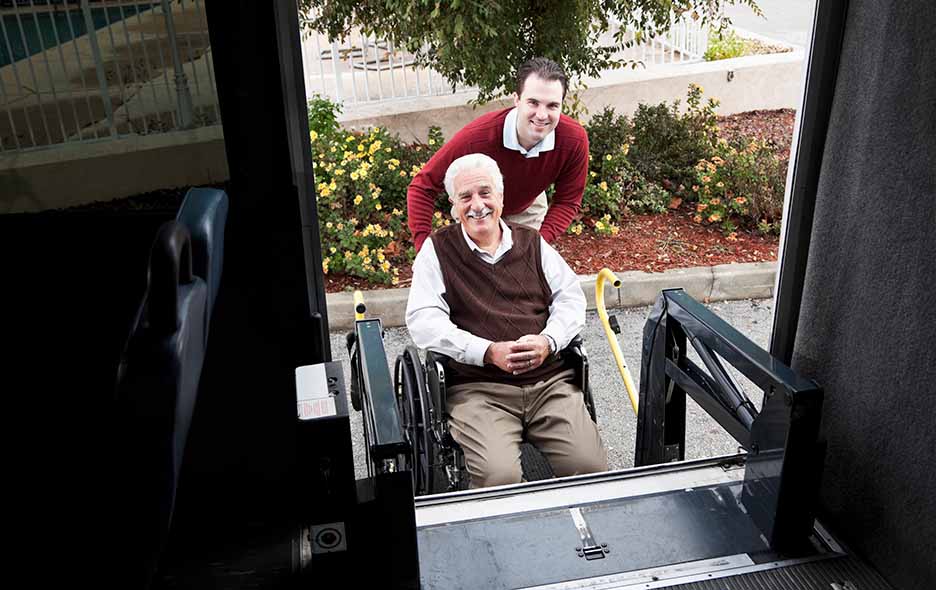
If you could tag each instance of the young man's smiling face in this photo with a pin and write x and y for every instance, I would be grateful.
(477, 204)
(538, 109)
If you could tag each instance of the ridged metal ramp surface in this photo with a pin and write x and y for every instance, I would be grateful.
(837, 573)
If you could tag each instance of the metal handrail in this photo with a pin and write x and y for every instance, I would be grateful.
(603, 276)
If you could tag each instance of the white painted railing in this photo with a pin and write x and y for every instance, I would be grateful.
(363, 69)
(144, 68)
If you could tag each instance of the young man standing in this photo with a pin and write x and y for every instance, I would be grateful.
(534, 145)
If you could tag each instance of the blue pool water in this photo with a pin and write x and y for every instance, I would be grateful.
(46, 30)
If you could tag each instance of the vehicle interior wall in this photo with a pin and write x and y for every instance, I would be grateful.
(867, 315)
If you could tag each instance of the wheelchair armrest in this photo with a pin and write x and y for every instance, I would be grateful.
(437, 365)
(575, 349)
(574, 356)
(438, 357)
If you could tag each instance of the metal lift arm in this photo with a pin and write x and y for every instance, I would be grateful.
(784, 452)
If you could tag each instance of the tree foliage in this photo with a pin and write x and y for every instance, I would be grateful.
(481, 42)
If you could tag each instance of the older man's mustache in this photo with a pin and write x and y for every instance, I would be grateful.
(479, 214)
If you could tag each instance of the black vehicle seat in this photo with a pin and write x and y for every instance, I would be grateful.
(159, 374)
(204, 212)
(156, 390)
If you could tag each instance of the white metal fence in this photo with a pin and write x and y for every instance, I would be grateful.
(364, 69)
(80, 70)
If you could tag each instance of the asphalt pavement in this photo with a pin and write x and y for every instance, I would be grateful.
(616, 420)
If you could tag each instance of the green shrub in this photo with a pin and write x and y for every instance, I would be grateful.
(646, 196)
(361, 181)
(741, 185)
(607, 132)
(724, 44)
(666, 144)
(323, 115)
(616, 186)
(602, 198)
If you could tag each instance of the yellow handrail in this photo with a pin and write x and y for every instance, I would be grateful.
(607, 275)
(359, 307)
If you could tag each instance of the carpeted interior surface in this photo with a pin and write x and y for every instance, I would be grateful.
(869, 310)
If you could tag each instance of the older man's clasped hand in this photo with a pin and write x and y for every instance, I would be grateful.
(518, 356)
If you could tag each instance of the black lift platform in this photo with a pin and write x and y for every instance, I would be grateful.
(682, 525)
(741, 521)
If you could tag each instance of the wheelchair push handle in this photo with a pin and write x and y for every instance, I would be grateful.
(603, 276)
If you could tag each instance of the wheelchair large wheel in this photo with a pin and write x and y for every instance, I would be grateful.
(351, 343)
(447, 471)
(432, 461)
(408, 405)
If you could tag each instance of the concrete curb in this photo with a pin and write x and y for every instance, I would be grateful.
(754, 280)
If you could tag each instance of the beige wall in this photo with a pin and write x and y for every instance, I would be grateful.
(741, 84)
(74, 174)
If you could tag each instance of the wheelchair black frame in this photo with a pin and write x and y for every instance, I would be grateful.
(436, 439)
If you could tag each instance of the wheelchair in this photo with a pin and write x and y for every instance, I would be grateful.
(435, 459)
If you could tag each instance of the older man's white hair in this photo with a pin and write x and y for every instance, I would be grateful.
(470, 162)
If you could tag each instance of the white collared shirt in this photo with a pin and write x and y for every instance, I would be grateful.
(511, 141)
(427, 312)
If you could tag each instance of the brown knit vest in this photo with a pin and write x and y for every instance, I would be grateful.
(502, 301)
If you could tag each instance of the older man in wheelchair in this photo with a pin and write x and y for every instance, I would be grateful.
(502, 303)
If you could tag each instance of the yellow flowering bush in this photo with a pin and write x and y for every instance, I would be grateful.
(361, 179)
(740, 185)
(440, 219)
(606, 227)
(616, 187)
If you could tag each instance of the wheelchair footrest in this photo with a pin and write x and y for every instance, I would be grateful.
(534, 463)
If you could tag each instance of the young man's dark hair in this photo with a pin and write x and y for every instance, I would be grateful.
(546, 69)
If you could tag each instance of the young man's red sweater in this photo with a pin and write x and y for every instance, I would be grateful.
(566, 166)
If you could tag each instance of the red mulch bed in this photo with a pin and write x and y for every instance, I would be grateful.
(774, 126)
(654, 243)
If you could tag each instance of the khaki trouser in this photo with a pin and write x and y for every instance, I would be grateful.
(490, 420)
(532, 217)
